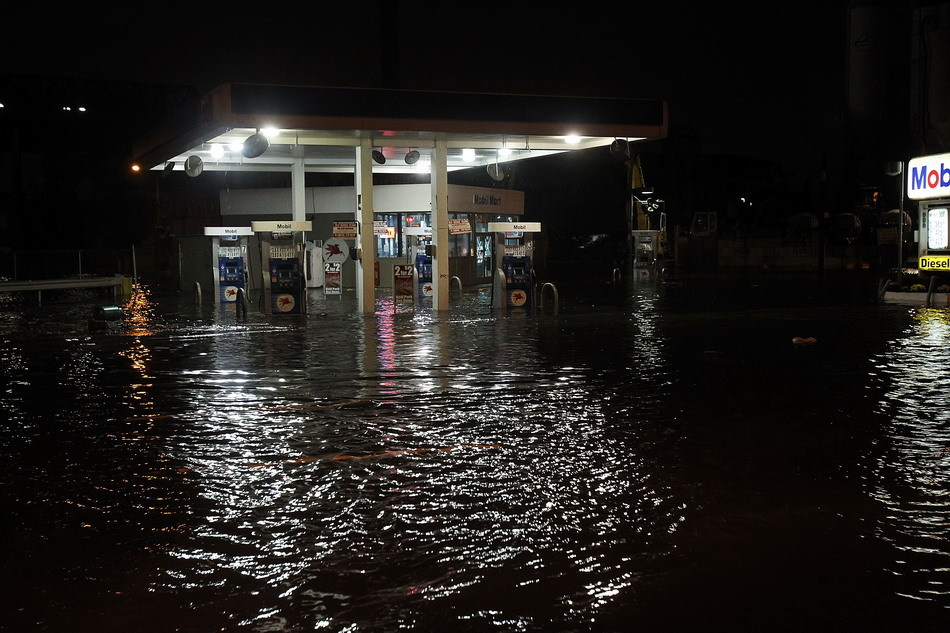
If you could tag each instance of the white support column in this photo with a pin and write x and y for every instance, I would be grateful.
(298, 189)
(365, 241)
(439, 183)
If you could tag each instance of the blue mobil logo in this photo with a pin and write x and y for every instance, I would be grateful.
(928, 177)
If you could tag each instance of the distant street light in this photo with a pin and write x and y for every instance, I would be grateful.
(642, 194)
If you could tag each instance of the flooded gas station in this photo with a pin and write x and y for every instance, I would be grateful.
(658, 454)
(363, 410)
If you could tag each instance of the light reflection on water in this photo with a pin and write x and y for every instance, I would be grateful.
(911, 476)
(625, 463)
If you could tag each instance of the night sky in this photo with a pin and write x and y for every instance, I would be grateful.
(743, 74)
(742, 79)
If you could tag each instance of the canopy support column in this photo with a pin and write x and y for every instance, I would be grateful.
(298, 191)
(365, 240)
(439, 183)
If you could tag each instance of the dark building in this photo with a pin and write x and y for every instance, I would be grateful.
(64, 145)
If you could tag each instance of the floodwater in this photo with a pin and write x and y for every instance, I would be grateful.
(657, 456)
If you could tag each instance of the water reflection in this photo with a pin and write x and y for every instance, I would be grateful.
(621, 464)
(449, 462)
(911, 476)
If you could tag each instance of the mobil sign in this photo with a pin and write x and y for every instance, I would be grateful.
(928, 177)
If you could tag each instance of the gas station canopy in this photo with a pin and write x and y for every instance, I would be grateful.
(320, 126)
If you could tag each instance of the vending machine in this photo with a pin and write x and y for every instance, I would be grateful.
(513, 285)
(229, 254)
(284, 287)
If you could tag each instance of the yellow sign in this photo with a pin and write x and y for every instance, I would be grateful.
(934, 262)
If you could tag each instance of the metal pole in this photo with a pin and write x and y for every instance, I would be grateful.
(896, 168)
(900, 227)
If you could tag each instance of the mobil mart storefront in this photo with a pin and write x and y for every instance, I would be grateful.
(402, 222)
(369, 133)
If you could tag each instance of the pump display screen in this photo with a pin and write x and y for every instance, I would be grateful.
(937, 229)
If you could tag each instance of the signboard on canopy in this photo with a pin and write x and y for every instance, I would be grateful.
(514, 227)
(345, 230)
(280, 226)
(228, 231)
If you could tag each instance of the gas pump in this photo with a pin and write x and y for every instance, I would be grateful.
(229, 253)
(514, 270)
(419, 242)
(646, 249)
(282, 266)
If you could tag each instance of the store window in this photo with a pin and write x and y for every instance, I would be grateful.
(484, 247)
(387, 245)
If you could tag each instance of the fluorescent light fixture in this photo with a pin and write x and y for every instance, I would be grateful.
(270, 132)
(217, 150)
(572, 139)
(468, 154)
(504, 152)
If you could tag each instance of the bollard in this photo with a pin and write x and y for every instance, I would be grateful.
(240, 306)
(554, 294)
(197, 293)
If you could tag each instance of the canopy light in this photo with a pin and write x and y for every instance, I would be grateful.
(620, 149)
(255, 145)
(193, 165)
